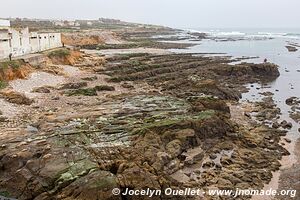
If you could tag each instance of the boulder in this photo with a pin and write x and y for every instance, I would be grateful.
(16, 98)
(41, 90)
(73, 86)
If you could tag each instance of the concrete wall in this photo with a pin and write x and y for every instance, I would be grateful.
(20, 42)
(34, 42)
(4, 43)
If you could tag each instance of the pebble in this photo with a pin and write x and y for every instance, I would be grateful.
(3, 119)
(213, 156)
(287, 140)
(32, 129)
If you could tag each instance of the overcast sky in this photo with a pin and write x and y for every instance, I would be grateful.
(174, 13)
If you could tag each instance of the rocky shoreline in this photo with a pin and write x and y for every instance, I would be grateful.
(140, 121)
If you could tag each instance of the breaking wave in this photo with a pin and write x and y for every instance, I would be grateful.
(248, 34)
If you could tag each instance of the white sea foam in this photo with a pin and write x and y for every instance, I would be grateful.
(250, 34)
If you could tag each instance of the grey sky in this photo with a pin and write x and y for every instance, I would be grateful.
(175, 13)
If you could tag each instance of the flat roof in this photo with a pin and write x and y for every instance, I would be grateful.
(4, 23)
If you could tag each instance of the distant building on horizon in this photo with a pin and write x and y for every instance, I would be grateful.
(20, 41)
(4, 23)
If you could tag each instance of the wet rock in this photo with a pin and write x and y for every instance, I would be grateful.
(82, 92)
(127, 85)
(291, 48)
(174, 148)
(243, 186)
(218, 166)
(73, 86)
(295, 116)
(55, 98)
(287, 140)
(162, 159)
(210, 103)
(96, 185)
(292, 101)
(3, 119)
(286, 125)
(173, 166)
(247, 114)
(226, 160)
(41, 90)
(32, 129)
(193, 156)
(179, 127)
(267, 93)
(224, 183)
(208, 164)
(104, 88)
(264, 69)
(92, 78)
(16, 98)
(212, 156)
(276, 125)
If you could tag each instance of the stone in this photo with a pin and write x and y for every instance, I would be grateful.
(247, 114)
(208, 164)
(32, 129)
(174, 148)
(16, 98)
(291, 101)
(225, 160)
(212, 156)
(3, 119)
(286, 125)
(104, 88)
(218, 166)
(291, 48)
(224, 183)
(55, 98)
(287, 140)
(73, 86)
(275, 125)
(41, 90)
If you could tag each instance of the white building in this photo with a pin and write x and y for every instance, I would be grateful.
(18, 42)
(4, 23)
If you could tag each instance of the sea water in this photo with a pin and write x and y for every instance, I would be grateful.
(262, 44)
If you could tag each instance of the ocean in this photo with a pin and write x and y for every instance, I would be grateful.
(262, 44)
